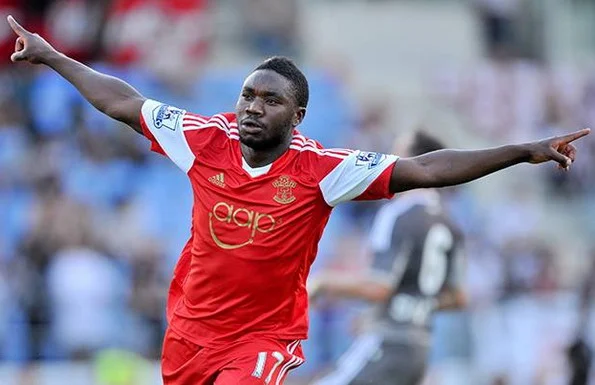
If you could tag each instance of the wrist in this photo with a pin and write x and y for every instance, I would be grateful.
(523, 151)
(52, 58)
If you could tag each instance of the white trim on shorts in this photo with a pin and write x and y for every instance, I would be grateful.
(353, 361)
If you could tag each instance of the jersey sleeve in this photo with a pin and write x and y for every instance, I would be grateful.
(163, 126)
(355, 175)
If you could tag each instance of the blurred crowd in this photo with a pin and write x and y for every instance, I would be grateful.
(92, 223)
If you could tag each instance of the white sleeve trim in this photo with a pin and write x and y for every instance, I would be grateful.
(165, 123)
(352, 177)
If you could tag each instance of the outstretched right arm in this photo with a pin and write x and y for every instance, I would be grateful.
(108, 94)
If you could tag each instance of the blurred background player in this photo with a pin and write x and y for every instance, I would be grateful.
(580, 352)
(418, 254)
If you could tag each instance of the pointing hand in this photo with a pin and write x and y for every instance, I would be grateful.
(29, 46)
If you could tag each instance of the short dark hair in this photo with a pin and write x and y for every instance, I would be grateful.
(423, 143)
(287, 68)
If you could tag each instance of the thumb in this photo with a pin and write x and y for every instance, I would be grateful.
(17, 56)
(562, 160)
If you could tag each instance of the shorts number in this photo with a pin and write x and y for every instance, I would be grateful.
(432, 274)
(261, 362)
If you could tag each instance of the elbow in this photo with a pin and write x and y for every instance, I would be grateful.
(429, 176)
(377, 293)
(414, 173)
(111, 110)
(111, 107)
(126, 110)
(461, 300)
(376, 289)
(452, 300)
(428, 171)
(437, 169)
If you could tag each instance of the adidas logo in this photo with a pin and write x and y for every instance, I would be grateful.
(218, 180)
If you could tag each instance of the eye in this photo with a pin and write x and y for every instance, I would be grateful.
(247, 96)
(272, 102)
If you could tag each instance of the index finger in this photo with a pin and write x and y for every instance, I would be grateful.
(575, 135)
(16, 27)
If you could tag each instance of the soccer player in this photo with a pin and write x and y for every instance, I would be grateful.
(415, 271)
(263, 193)
(580, 353)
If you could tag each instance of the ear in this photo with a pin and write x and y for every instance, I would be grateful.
(299, 116)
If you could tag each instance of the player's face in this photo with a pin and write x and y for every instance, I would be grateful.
(267, 111)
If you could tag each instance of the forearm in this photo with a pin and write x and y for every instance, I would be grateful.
(351, 286)
(451, 167)
(451, 300)
(108, 94)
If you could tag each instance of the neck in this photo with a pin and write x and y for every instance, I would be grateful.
(259, 158)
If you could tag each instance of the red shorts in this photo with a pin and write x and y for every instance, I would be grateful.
(259, 361)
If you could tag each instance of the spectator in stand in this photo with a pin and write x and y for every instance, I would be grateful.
(497, 19)
(163, 35)
(271, 26)
(87, 292)
(77, 27)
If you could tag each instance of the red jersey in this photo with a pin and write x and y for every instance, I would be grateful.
(255, 232)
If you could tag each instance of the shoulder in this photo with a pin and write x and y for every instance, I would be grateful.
(225, 122)
(201, 130)
(161, 116)
(312, 153)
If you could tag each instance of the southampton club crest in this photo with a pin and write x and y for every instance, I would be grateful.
(284, 186)
(166, 116)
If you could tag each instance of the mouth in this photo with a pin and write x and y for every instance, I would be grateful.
(251, 126)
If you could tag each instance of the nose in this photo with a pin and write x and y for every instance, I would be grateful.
(255, 107)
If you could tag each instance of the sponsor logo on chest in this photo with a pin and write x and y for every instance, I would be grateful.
(232, 216)
(242, 224)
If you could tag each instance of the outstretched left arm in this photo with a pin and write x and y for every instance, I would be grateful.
(350, 285)
(372, 289)
(451, 167)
